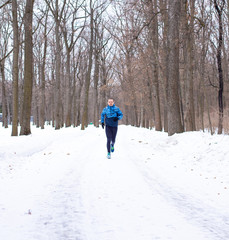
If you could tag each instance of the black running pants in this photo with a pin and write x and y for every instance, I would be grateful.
(111, 135)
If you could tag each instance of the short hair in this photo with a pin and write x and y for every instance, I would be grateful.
(111, 98)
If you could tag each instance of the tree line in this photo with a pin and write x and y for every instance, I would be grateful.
(165, 62)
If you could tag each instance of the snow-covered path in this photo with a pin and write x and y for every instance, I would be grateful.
(64, 188)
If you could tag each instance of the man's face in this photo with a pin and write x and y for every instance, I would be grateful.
(110, 102)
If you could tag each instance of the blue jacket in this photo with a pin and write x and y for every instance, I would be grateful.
(111, 112)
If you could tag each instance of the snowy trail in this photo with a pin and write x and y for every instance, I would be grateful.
(66, 189)
(123, 203)
(210, 222)
(206, 218)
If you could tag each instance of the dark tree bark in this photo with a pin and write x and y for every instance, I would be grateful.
(174, 113)
(15, 68)
(4, 99)
(76, 73)
(28, 68)
(4, 4)
(219, 10)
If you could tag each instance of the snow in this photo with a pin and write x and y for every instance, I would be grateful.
(59, 185)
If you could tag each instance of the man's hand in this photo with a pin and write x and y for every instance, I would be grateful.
(115, 119)
(103, 125)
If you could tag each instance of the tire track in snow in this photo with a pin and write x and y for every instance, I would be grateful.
(119, 203)
(215, 223)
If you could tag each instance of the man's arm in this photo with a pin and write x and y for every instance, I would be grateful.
(103, 115)
(120, 114)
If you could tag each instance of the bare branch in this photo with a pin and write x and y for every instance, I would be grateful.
(4, 4)
(211, 84)
(7, 55)
(147, 24)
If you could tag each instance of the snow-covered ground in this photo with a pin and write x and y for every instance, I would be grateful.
(59, 185)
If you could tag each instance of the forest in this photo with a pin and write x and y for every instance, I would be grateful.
(165, 63)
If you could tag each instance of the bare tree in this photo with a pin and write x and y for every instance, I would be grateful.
(5, 34)
(88, 74)
(28, 68)
(57, 13)
(4, 99)
(164, 59)
(203, 97)
(28, 71)
(96, 77)
(70, 40)
(189, 64)
(15, 68)
(219, 9)
(154, 58)
(43, 80)
(174, 114)
(100, 42)
(125, 33)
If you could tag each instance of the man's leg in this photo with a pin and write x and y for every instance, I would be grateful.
(114, 133)
(109, 138)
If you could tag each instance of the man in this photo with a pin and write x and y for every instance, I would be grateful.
(111, 114)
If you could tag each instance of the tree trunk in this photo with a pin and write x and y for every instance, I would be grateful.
(57, 83)
(78, 100)
(15, 69)
(153, 43)
(69, 92)
(202, 73)
(88, 75)
(95, 90)
(189, 68)
(28, 69)
(42, 104)
(53, 94)
(219, 62)
(150, 100)
(103, 83)
(174, 113)
(36, 92)
(164, 56)
(4, 99)
(155, 66)
(131, 86)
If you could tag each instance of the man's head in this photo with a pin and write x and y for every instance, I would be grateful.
(110, 102)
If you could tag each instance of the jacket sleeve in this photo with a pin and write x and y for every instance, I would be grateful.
(103, 115)
(120, 115)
